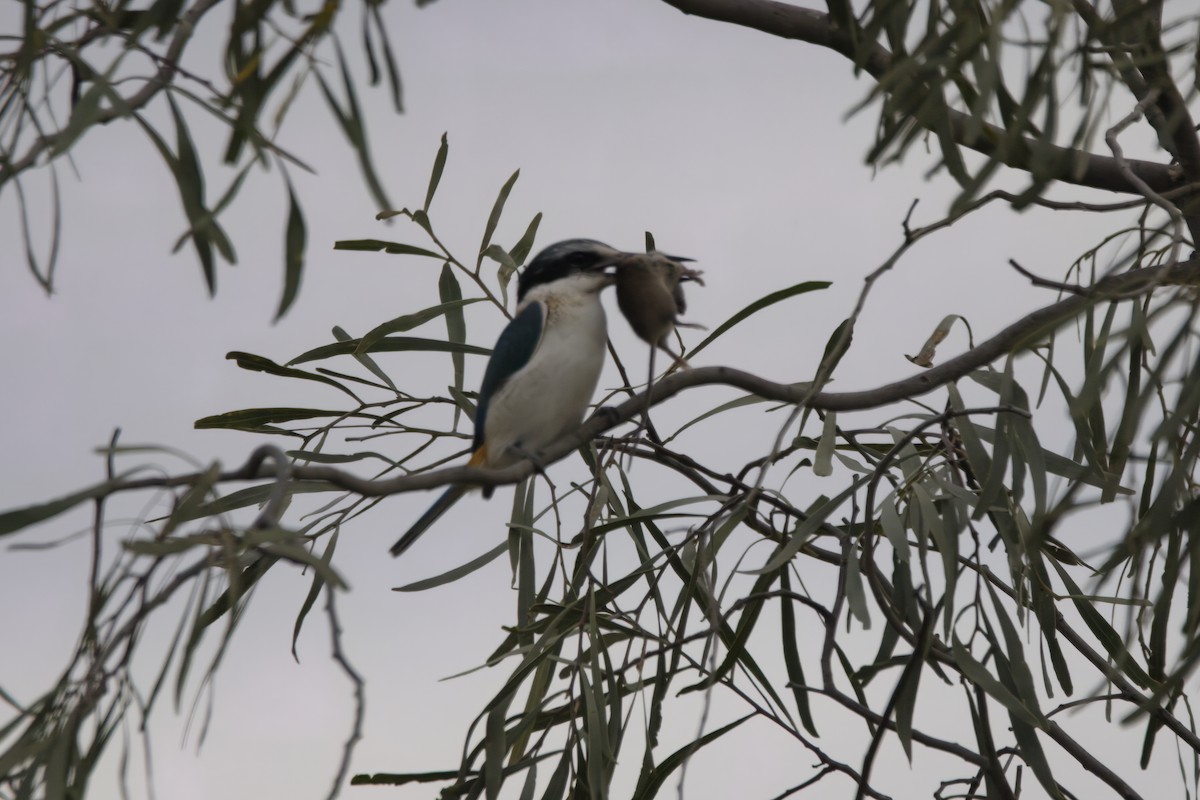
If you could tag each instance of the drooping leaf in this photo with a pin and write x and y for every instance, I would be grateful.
(456, 325)
(295, 243)
(759, 305)
(791, 654)
(15, 520)
(255, 363)
(651, 781)
(823, 459)
(351, 344)
(314, 590)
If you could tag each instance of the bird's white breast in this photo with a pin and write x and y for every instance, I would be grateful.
(548, 397)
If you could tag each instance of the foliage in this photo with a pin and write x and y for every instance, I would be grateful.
(956, 574)
(71, 67)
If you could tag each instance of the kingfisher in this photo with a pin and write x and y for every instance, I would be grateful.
(545, 367)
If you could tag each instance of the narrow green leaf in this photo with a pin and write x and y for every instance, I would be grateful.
(791, 655)
(256, 418)
(338, 458)
(594, 729)
(525, 574)
(377, 245)
(823, 459)
(977, 456)
(893, 528)
(389, 58)
(15, 520)
(402, 778)
(759, 305)
(295, 243)
(211, 214)
(228, 599)
(254, 363)
(314, 589)
(303, 556)
(508, 267)
(856, 595)
(345, 340)
(1031, 751)
(409, 321)
(435, 177)
(497, 210)
(389, 344)
(87, 110)
(943, 522)
(809, 526)
(520, 251)
(190, 182)
(556, 789)
(1130, 416)
(495, 746)
(978, 674)
(836, 347)
(1058, 464)
(450, 576)
(1015, 655)
(750, 399)
(159, 549)
(351, 121)
(905, 695)
(251, 496)
(538, 687)
(650, 783)
(456, 325)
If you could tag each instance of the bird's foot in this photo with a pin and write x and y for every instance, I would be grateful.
(539, 466)
(609, 414)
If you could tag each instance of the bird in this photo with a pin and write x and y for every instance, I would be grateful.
(650, 295)
(545, 367)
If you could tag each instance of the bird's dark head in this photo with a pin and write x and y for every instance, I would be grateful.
(564, 259)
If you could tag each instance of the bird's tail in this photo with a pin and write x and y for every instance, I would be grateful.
(439, 507)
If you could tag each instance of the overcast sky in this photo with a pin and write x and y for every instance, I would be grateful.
(623, 116)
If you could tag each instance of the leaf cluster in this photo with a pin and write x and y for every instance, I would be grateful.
(76, 67)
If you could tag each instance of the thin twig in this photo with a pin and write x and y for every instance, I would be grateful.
(360, 703)
(1110, 136)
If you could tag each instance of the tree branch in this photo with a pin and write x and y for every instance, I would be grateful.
(806, 25)
(1018, 336)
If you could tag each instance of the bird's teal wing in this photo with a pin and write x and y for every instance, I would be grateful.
(516, 345)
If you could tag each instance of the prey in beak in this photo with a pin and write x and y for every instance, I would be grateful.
(650, 295)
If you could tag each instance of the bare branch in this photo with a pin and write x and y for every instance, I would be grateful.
(1122, 163)
(1046, 283)
(1020, 335)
